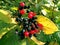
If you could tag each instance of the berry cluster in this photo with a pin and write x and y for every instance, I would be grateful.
(30, 25)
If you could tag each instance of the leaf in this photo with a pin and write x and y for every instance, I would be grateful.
(44, 38)
(5, 22)
(30, 42)
(38, 42)
(12, 39)
(5, 27)
(41, 37)
(53, 43)
(48, 25)
(5, 16)
(57, 36)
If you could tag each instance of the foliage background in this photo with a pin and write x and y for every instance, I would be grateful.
(48, 8)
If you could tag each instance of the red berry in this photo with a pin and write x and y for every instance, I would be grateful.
(36, 31)
(22, 11)
(22, 4)
(30, 16)
(34, 14)
(40, 25)
(31, 13)
(32, 32)
(26, 34)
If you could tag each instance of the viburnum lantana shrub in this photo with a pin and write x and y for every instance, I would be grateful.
(29, 22)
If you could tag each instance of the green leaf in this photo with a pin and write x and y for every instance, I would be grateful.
(55, 1)
(12, 39)
(5, 27)
(30, 42)
(41, 37)
(53, 43)
(5, 18)
(44, 38)
(57, 36)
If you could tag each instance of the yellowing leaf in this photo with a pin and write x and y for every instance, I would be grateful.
(14, 8)
(49, 26)
(5, 16)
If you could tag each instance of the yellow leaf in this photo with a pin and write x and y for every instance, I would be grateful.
(5, 16)
(49, 26)
(14, 8)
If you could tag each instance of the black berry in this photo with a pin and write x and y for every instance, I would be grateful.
(28, 11)
(30, 35)
(29, 28)
(22, 4)
(17, 19)
(25, 7)
(34, 18)
(28, 7)
(21, 35)
(32, 28)
(20, 8)
(35, 35)
(16, 30)
(19, 15)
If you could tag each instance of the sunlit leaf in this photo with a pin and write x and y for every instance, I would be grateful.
(48, 25)
(5, 27)
(12, 39)
(5, 16)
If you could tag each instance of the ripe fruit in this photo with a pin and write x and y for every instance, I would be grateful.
(25, 7)
(34, 18)
(30, 35)
(19, 15)
(30, 13)
(21, 35)
(20, 8)
(32, 32)
(36, 31)
(40, 25)
(28, 29)
(26, 34)
(22, 4)
(28, 7)
(34, 14)
(30, 16)
(22, 11)
(35, 35)
(36, 26)
(17, 19)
